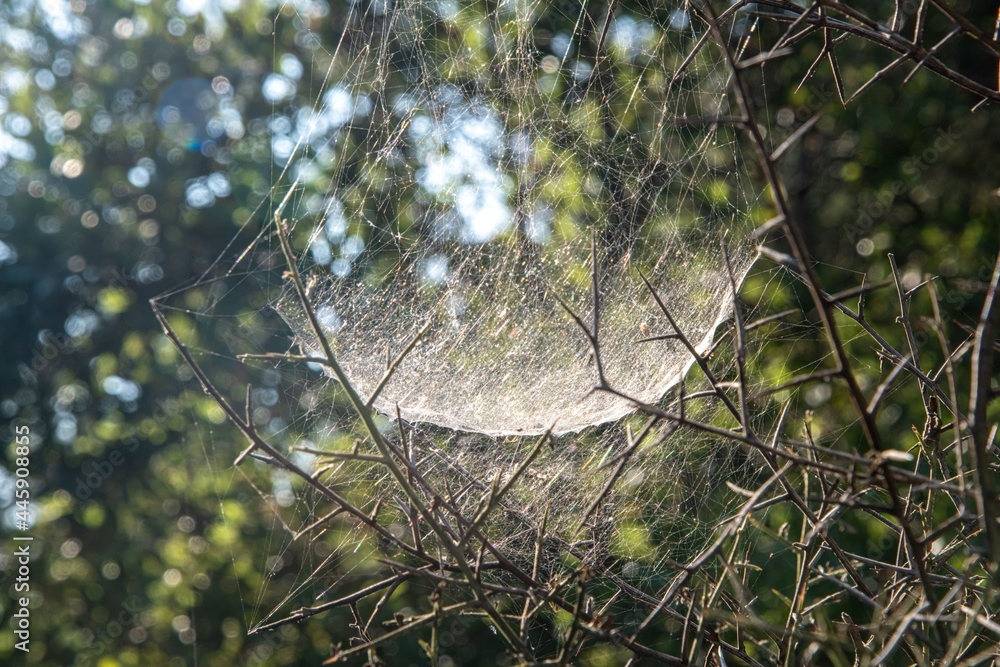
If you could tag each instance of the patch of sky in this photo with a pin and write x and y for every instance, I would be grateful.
(631, 38)
(14, 80)
(405, 104)
(328, 319)
(60, 20)
(212, 11)
(561, 45)
(539, 225)
(352, 247)
(291, 66)
(122, 389)
(434, 270)
(282, 148)
(316, 128)
(335, 226)
(8, 255)
(138, 177)
(202, 192)
(459, 157)
(581, 70)
(13, 127)
(321, 251)
(679, 19)
(484, 211)
(305, 8)
(447, 9)
(341, 267)
(81, 323)
(277, 88)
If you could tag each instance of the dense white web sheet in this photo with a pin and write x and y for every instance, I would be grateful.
(469, 160)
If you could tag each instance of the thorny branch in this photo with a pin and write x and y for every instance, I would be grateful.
(929, 595)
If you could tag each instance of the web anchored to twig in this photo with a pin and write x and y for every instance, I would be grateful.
(550, 317)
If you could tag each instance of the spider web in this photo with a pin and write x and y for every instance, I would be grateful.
(496, 208)
(479, 171)
(471, 179)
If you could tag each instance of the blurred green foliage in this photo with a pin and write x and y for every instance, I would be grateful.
(150, 549)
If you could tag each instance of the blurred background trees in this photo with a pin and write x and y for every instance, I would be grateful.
(137, 140)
